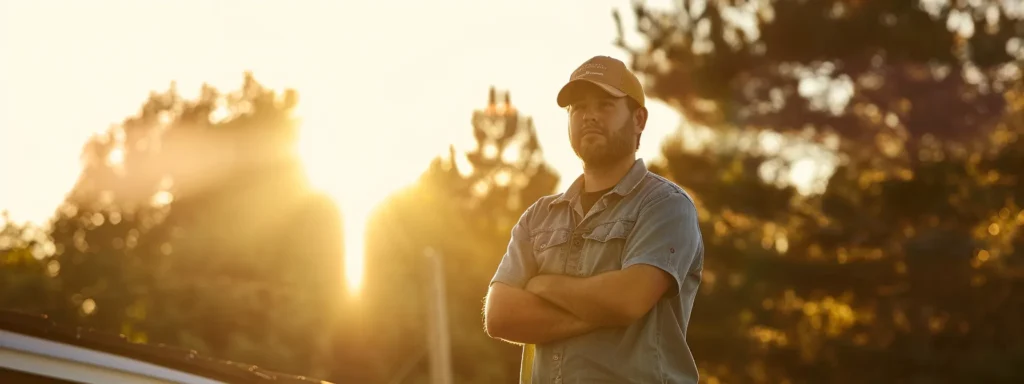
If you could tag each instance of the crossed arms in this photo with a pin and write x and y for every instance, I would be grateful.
(523, 306)
(554, 307)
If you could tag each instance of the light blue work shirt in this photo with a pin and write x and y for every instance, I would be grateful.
(644, 219)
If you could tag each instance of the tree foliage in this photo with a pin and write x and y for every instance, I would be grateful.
(192, 224)
(904, 70)
(907, 265)
(465, 210)
(25, 266)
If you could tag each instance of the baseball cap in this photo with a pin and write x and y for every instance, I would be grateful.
(607, 73)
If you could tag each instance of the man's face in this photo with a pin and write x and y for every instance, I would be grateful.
(601, 128)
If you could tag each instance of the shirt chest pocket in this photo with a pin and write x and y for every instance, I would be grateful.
(548, 249)
(603, 247)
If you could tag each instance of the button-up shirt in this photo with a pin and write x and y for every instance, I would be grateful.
(644, 219)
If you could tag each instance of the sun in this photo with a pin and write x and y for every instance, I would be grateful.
(355, 248)
(353, 207)
(333, 167)
(357, 167)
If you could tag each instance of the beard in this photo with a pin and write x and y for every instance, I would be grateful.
(601, 151)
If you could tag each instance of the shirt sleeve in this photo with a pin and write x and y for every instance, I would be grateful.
(518, 265)
(666, 236)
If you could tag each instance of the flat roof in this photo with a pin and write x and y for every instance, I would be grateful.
(185, 360)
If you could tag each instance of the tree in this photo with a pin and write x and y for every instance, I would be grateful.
(25, 266)
(465, 211)
(871, 72)
(192, 224)
(905, 265)
(876, 279)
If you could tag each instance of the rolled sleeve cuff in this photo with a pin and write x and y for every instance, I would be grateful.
(508, 278)
(670, 270)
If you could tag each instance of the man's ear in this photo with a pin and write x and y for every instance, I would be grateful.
(640, 119)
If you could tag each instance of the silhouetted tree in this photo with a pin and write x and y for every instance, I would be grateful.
(192, 224)
(905, 266)
(26, 266)
(872, 72)
(465, 211)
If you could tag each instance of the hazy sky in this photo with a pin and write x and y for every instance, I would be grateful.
(375, 71)
(368, 73)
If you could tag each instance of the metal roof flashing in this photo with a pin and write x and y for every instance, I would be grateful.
(36, 343)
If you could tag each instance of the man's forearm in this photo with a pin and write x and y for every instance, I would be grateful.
(523, 317)
(600, 299)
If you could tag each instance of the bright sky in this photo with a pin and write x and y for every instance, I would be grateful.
(368, 73)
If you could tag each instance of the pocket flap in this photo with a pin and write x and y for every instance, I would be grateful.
(608, 231)
(548, 239)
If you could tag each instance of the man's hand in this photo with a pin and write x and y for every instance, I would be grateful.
(520, 317)
(616, 298)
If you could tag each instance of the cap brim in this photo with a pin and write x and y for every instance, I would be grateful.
(568, 93)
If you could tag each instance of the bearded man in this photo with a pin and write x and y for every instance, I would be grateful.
(598, 282)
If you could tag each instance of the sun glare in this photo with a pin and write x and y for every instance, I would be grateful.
(335, 161)
(327, 179)
(355, 249)
(325, 176)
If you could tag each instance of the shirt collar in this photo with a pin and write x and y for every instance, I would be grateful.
(623, 187)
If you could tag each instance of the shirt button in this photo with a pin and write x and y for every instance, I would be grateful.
(577, 242)
(555, 357)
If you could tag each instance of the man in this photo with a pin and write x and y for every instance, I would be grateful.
(601, 278)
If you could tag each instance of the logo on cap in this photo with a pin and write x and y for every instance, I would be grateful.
(589, 69)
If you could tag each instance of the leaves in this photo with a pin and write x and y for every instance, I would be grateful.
(856, 69)
(887, 273)
(465, 211)
(192, 224)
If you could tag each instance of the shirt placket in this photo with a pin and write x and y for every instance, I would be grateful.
(573, 262)
(556, 365)
(571, 267)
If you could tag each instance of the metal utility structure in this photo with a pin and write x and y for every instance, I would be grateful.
(438, 340)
